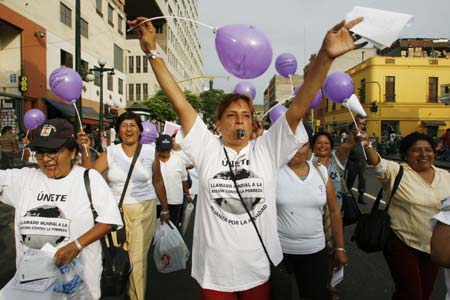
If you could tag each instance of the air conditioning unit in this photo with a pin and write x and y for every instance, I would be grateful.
(445, 93)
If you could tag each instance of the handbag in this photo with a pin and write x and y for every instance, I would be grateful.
(116, 262)
(372, 231)
(121, 235)
(350, 210)
(280, 278)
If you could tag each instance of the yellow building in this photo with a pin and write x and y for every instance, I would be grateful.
(399, 94)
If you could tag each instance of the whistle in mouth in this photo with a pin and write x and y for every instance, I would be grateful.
(240, 133)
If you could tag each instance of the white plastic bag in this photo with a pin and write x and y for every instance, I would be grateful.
(171, 253)
(187, 217)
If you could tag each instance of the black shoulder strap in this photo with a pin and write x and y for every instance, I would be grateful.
(397, 180)
(246, 208)
(130, 171)
(87, 184)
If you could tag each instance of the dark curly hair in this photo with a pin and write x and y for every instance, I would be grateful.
(129, 115)
(230, 98)
(320, 133)
(412, 138)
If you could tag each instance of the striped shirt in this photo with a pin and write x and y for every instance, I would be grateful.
(415, 201)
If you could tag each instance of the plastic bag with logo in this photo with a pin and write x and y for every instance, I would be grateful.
(70, 285)
(171, 253)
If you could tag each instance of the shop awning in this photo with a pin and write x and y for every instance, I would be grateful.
(90, 115)
(12, 96)
(433, 123)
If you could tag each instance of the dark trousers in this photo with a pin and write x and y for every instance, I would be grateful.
(412, 271)
(311, 274)
(356, 169)
(176, 213)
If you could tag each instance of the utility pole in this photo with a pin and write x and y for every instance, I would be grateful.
(78, 55)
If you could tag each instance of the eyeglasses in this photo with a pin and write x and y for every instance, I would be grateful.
(50, 155)
(128, 125)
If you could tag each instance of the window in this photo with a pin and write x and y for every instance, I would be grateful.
(390, 88)
(138, 64)
(110, 82)
(84, 28)
(362, 91)
(120, 86)
(119, 24)
(432, 89)
(118, 58)
(130, 64)
(84, 69)
(98, 7)
(138, 91)
(144, 64)
(130, 92)
(65, 15)
(110, 15)
(145, 91)
(66, 59)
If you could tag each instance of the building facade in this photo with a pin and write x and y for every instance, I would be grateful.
(399, 93)
(178, 43)
(38, 37)
(279, 89)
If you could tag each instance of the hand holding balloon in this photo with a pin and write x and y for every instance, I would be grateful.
(146, 33)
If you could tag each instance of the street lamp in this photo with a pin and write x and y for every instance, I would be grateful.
(91, 77)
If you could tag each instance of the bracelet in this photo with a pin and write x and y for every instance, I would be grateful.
(77, 243)
(340, 249)
(164, 212)
(153, 54)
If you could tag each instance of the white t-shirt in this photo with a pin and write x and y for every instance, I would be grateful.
(444, 217)
(140, 187)
(174, 173)
(227, 254)
(300, 209)
(58, 211)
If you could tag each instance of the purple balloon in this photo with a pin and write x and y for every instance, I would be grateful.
(286, 64)
(245, 88)
(317, 98)
(66, 83)
(244, 50)
(276, 112)
(149, 133)
(33, 118)
(338, 87)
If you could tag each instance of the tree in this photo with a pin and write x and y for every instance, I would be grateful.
(211, 100)
(162, 110)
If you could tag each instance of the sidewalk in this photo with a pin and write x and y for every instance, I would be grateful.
(438, 163)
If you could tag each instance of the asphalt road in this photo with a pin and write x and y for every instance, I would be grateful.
(367, 276)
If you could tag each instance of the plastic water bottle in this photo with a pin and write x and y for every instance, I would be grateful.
(69, 285)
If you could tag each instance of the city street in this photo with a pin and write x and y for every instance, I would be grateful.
(367, 276)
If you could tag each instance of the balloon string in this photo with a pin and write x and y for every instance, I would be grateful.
(23, 149)
(172, 17)
(81, 127)
(292, 84)
(279, 103)
(357, 128)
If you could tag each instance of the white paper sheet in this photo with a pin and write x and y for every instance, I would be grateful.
(338, 276)
(380, 27)
(36, 264)
(171, 128)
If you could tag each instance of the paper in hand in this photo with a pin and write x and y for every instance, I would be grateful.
(338, 276)
(380, 27)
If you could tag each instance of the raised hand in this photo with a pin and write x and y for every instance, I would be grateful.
(340, 40)
(146, 33)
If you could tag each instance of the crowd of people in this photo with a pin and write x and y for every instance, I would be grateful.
(288, 179)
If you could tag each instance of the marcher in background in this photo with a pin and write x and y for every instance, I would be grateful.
(356, 166)
(139, 205)
(54, 196)
(228, 260)
(8, 146)
(175, 178)
(417, 199)
(445, 140)
(440, 240)
(302, 193)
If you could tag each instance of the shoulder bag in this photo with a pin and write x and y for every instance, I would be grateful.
(280, 279)
(121, 233)
(373, 230)
(116, 262)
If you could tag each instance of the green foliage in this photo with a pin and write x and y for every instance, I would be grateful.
(211, 100)
(162, 110)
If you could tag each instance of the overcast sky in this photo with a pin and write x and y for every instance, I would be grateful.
(298, 26)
